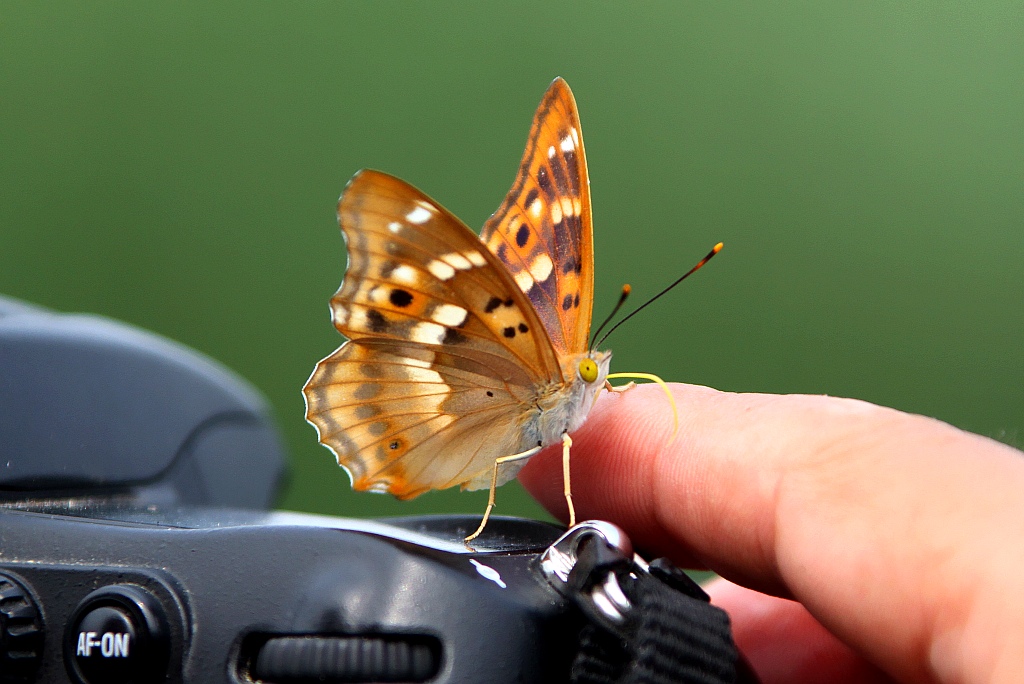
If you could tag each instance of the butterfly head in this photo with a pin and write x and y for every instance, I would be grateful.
(589, 373)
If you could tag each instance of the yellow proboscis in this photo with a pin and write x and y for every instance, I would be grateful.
(664, 386)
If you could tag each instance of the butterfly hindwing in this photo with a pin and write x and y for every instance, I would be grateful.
(403, 419)
(543, 232)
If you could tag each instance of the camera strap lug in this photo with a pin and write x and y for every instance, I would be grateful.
(584, 565)
(646, 623)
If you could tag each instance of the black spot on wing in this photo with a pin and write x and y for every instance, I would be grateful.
(452, 336)
(522, 235)
(400, 298)
(376, 321)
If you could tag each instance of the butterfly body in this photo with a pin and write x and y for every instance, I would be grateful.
(555, 410)
(462, 350)
(563, 408)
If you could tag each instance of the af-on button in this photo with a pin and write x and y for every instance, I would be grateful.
(117, 635)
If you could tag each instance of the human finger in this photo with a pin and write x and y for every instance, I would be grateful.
(872, 518)
(784, 643)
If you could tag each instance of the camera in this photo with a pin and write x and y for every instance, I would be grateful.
(137, 544)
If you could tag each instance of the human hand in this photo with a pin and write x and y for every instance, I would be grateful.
(876, 541)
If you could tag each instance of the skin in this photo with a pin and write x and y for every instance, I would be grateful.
(857, 543)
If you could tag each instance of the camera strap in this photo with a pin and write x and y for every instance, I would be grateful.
(646, 623)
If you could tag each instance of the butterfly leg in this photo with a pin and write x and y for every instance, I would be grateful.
(494, 485)
(566, 445)
(621, 388)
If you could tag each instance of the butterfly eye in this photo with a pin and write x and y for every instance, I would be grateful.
(588, 370)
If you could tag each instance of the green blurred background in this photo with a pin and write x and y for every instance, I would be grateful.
(177, 166)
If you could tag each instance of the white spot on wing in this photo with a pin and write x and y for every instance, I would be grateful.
(567, 206)
(404, 274)
(426, 375)
(568, 144)
(551, 152)
(441, 270)
(357, 318)
(419, 215)
(540, 268)
(487, 572)
(449, 314)
(458, 261)
(556, 212)
(524, 280)
(427, 333)
(394, 226)
(476, 258)
(537, 207)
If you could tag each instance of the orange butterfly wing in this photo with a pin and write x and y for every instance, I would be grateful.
(444, 350)
(543, 231)
(450, 291)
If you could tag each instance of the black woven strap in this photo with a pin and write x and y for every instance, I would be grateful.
(675, 636)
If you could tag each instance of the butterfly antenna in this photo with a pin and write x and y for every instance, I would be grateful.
(714, 250)
(626, 289)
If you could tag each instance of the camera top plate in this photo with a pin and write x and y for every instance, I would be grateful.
(89, 404)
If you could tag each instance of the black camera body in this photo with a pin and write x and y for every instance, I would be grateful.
(137, 544)
(217, 591)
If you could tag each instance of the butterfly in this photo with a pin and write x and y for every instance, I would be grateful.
(465, 355)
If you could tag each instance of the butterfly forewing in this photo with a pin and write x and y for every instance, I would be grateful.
(444, 353)
(417, 274)
(542, 231)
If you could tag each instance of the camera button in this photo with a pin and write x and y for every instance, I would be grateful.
(117, 635)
